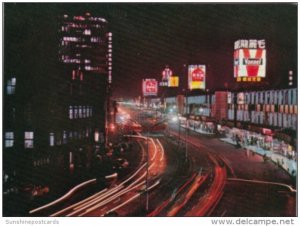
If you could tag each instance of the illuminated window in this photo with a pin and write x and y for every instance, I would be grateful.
(87, 32)
(28, 141)
(281, 108)
(9, 139)
(258, 107)
(286, 109)
(11, 86)
(65, 137)
(75, 112)
(272, 108)
(70, 112)
(291, 109)
(51, 139)
(80, 111)
(88, 112)
(295, 109)
(73, 75)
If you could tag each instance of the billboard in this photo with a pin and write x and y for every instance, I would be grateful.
(196, 76)
(249, 60)
(150, 87)
(173, 81)
(166, 74)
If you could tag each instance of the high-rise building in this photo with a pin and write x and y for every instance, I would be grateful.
(85, 50)
(56, 99)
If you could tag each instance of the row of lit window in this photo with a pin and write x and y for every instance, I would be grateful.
(70, 26)
(80, 112)
(288, 109)
(72, 61)
(67, 59)
(53, 140)
(90, 68)
(63, 138)
(81, 18)
(66, 40)
(28, 139)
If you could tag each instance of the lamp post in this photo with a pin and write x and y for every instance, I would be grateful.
(147, 173)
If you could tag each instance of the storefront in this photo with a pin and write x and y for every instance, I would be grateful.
(261, 137)
(201, 123)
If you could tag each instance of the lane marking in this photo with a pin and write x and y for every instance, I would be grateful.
(263, 182)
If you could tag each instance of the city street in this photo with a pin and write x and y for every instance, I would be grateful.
(250, 199)
(150, 110)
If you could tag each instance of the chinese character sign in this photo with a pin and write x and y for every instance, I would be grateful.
(150, 87)
(196, 76)
(249, 60)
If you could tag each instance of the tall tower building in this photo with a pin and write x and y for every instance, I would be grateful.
(85, 50)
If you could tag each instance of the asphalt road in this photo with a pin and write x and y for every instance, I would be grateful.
(242, 198)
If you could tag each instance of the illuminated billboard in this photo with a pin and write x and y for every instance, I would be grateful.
(166, 74)
(173, 81)
(249, 60)
(150, 87)
(196, 76)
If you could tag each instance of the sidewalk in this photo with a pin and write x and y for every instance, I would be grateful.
(198, 130)
(287, 164)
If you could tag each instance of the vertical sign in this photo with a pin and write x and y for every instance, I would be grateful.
(196, 76)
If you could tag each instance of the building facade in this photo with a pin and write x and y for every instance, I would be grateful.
(55, 106)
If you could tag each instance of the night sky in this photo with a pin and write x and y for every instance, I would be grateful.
(148, 36)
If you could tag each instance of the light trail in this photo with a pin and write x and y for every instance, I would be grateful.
(131, 199)
(162, 150)
(76, 204)
(106, 196)
(64, 196)
(109, 200)
(94, 201)
(88, 200)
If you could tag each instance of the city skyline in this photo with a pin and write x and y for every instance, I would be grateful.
(147, 37)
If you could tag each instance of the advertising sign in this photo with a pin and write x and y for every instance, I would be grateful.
(166, 74)
(173, 81)
(150, 87)
(249, 60)
(196, 76)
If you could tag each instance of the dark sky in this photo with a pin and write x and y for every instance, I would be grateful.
(148, 36)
